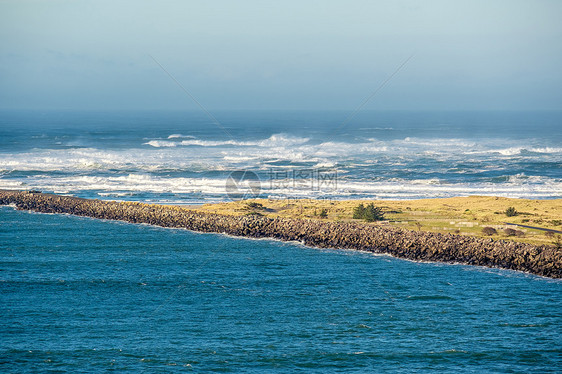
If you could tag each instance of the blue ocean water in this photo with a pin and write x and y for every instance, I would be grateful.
(185, 157)
(85, 295)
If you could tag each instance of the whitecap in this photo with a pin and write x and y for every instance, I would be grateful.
(176, 136)
(161, 143)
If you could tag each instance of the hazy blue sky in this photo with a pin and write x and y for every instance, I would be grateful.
(281, 54)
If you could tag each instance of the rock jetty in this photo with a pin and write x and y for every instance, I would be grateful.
(423, 246)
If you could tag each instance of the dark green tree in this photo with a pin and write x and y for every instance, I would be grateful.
(359, 212)
(369, 213)
(510, 212)
(373, 213)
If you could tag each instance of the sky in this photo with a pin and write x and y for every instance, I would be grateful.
(261, 54)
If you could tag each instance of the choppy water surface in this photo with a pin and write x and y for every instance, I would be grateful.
(183, 157)
(79, 294)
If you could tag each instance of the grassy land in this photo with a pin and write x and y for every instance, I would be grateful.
(460, 215)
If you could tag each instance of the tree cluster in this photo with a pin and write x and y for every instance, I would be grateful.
(369, 213)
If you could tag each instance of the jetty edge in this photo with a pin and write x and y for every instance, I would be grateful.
(541, 260)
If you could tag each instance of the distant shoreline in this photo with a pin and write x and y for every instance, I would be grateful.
(542, 260)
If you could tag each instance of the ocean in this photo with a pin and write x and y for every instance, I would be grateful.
(187, 157)
(85, 295)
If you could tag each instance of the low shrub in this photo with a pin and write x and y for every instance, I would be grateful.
(254, 205)
(509, 232)
(489, 231)
(511, 212)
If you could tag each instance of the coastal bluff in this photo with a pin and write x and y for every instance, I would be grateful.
(542, 260)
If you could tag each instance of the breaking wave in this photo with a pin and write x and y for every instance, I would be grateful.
(195, 168)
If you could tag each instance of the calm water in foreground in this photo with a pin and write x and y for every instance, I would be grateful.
(82, 295)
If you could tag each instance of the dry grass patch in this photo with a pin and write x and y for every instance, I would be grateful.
(456, 215)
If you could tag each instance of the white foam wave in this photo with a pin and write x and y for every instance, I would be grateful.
(506, 151)
(191, 154)
(11, 184)
(519, 150)
(91, 159)
(414, 189)
(131, 168)
(439, 143)
(546, 150)
(121, 185)
(176, 136)
(519, 186)
(275, 140)
(278, 150)
(161, 143)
